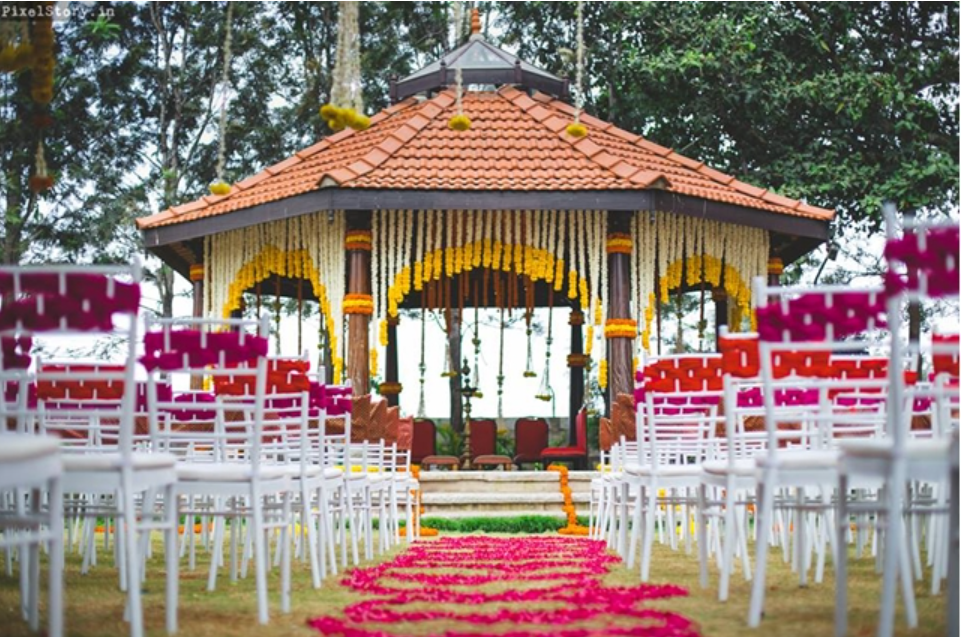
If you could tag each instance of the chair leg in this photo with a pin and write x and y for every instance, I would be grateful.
(763, 527)
(171, 556)
(648, 496)
(260, 554)
(841, 560)
(55, 593)
(891, 551)
(285, 541)
(635, 532)
(730, 537)
(702, 548)
(132, 559)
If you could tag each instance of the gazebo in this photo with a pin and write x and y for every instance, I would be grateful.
(410, 213)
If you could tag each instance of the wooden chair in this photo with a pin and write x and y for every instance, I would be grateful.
(576, 454)
(424, 440)
(530, 435)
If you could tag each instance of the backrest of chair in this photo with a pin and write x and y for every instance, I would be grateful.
(41, 302)
(922, 257)
(424, 441)
(802, 332)
(681, 427)
(483, 437)
(530, 436)
(231, 351)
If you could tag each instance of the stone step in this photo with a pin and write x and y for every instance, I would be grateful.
(446, 503)
(502, 481)
(501, 513)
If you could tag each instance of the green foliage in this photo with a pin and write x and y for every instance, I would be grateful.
(842, 104)
(449, 442)
(518, 524)
(505, 443)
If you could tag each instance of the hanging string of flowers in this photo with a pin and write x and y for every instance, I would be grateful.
(576, 129)
(220, 187)
(687, 249)
(309, 247)
(346, 106)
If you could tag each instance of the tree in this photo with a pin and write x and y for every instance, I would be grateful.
(841, 104)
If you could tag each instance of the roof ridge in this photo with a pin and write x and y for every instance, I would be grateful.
(620, 168)
(427, 111)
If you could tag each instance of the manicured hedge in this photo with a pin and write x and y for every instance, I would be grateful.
(515, 524)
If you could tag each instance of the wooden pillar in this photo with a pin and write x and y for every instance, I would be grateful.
(391, 386)
(197, 282)
(620, 329)
(456, 402)
(720, 313)
(358, 302)
(576, 361)
(775, 267)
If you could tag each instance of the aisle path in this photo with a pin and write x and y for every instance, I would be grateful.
(509, 587)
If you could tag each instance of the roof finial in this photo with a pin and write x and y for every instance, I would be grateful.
(475, 23)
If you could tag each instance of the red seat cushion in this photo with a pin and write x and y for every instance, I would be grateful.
(564, 451)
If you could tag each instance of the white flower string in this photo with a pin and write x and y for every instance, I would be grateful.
(346, 106)
(576, 129)
(220, 187)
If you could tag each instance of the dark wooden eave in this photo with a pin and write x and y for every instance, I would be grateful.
(806, 233)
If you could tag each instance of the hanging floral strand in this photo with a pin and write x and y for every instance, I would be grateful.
(459, 122)
(346, 106)
(575, 128)
(220, 187)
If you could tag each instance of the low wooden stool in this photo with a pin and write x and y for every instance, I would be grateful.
(451, 462)
(493, 461)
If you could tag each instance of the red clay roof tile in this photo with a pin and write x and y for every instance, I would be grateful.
(409, 146)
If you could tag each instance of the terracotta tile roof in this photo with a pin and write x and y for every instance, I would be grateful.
(516, 143)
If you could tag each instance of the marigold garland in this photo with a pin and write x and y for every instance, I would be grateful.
(602, 374)
(424, 531)
(620, 328)
(619, 243)
(358, 240)
(359, 304)
(572, 528)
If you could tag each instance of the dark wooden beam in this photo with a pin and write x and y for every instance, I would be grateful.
(360, 200)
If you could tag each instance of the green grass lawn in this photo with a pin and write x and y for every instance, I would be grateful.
(95, 604)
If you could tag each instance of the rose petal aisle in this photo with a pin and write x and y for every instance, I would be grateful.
(508, 587)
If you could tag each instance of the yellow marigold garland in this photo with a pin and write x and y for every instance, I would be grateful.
(572, 528)
(359, 304)
(620, 328)
(425, 531)
(602, 374)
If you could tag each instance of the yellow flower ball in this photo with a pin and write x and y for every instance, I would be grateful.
(576, 130)
(358, 121)
(220, 188)
(329, 112)
(459, 122)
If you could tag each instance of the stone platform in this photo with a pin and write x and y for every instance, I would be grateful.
(499, 493)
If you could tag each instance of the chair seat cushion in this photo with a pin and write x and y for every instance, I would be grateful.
(740, 467)
(226, 472)
(23, 447)
(667, 470)
(556, 452)
(332, 473)
(802, 459)
(113, 461)
(925, 449)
